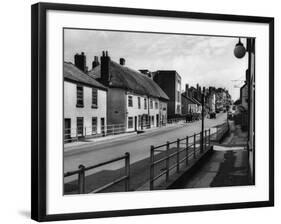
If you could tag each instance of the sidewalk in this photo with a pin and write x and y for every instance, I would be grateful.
(228, 166)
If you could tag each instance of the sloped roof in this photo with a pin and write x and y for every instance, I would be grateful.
(72, 73)
(131, 80)
(191, 99)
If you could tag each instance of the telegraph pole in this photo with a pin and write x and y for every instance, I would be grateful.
(202, 123)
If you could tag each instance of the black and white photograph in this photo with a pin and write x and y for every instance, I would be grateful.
(148, 111)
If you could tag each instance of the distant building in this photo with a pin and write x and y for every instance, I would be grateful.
(133, 100)
(210, 99)
(189, 104)
(84, 104)
(170, 83)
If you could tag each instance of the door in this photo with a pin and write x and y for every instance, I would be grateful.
(67, 130)
(102, 122)
(80, 125)
(136, 123)
(157, 120)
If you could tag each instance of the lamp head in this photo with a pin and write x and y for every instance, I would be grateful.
(239, 50)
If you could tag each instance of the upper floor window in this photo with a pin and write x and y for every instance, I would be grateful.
(145, 104)
(94, 98)
(130, 101)
(156, 105)
(139, 102)
(79, 96)
(151, 104)
(178, 96)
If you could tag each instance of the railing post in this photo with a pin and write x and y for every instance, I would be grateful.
(127, 171)
(151, 167)
(167, 161)
(201, 141)
(81, 179)
(186, 148)
(209, 136)
(178, 155)
(205, 139)
(194, 146)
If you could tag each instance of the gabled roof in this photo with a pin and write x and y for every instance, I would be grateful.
(74, 74)
(191, 99)
(131, 80)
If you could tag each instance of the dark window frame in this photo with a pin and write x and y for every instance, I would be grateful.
(130, 101)
(94, 98)
(94, 128)
(79, 96)
(130, 121)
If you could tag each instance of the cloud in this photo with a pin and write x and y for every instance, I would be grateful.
(198, 59)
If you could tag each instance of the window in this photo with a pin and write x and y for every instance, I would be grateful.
(156, 105)
(178, 96)
(130, 101)
(178, 109)
(145, 104)
(94, 98)
(79, 125)
(130, 122)
(151, 104)
(80, 96)
(139, 102)
(139, 120)
(94, 125)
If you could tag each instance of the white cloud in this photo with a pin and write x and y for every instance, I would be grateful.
(198, 59)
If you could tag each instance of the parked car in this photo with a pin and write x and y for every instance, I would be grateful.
(213, 115)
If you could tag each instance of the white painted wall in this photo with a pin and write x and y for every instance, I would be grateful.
(135, 111)
(87, 112)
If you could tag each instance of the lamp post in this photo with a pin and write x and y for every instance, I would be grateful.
(202, 123)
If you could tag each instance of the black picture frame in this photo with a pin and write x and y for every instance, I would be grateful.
(39, 107)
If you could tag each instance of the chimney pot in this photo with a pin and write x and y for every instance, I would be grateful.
(122, 61)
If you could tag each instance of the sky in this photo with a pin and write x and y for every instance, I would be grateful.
(206, 60)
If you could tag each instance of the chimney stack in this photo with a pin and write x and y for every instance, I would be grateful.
(122, 61)
(104, 60)
(186, 90)
(80, 61)
(95, 63)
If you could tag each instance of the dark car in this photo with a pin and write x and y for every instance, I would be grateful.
(212, 115)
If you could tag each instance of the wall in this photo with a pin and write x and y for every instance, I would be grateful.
(15, 192)
(167, 82)
(116, 104)
(87, 112)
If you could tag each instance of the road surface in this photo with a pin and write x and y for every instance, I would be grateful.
(138, 146)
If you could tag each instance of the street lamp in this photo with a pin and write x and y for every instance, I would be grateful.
(239, 50)
(202, 114)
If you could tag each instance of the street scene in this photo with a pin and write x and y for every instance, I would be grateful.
(150, 111)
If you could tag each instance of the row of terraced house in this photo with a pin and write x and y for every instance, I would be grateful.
(112, 98)
(109, 99)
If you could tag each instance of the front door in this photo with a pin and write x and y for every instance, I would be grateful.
(67, 130)
(136, 123)
(157, 120)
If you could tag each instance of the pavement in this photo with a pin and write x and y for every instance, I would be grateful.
(227, 166)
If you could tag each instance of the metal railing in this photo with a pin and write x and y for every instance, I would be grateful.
(73, 134)
(221, 131)
(81, 172)
(184, 151)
